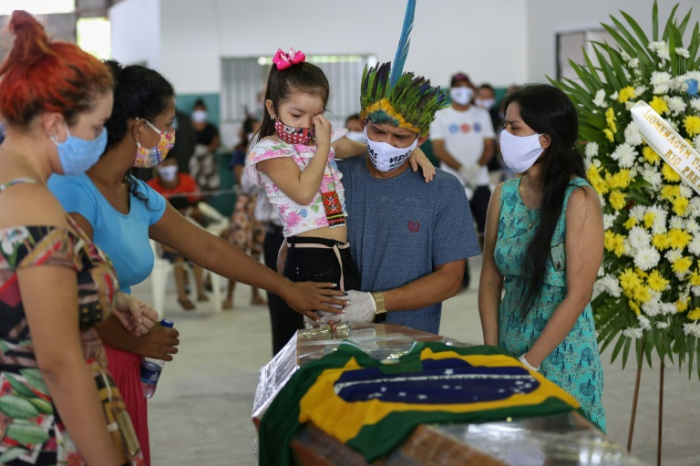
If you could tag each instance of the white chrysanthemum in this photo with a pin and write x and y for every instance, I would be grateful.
(673, 125)
(634, 63)
(652, 176)
(662, 325)
(661, 49)
(614, 96)
(596, 162)
(625, 56)
(639, 238)
(639, 90)
(644, 322)
(647, 258)
(609, 220)
(675, 104)
(634, 333)
(695, 290)
(600, 98)
(652, 308)
(692, 329)
(695, 104)
(632, 134)
(602, 200)
(668, 308)
(608, 284)
(682, 52)
(694, 246)
(691, 226)
(694, 206)
(625, 154)
(686, 191)
(673, 255)
(601, 271)
(676, 222)
(661, 81)
(591, 149)
(638, 211)
(696, 142)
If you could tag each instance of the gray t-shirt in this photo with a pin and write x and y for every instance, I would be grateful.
(401, 228)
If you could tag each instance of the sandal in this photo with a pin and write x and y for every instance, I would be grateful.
(186, 304)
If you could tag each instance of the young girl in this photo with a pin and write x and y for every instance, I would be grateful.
(294, 161)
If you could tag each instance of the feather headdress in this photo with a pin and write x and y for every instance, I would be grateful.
(404, 100)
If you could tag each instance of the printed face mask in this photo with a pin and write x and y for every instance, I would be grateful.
(150, 157)
(292, 135)
(386, 157)
(461, 95)
(520, 152)
(78, 155)
(168, 173)
(199, 116)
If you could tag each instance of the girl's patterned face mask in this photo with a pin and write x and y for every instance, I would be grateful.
(292, 135)
(150, 157)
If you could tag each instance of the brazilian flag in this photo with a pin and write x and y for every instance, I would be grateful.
(372, 405)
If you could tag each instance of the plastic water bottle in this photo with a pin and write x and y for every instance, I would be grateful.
(152, 368)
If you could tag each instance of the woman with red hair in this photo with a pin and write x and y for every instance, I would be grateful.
(58, 403)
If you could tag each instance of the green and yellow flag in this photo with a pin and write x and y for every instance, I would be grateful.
(373, 406)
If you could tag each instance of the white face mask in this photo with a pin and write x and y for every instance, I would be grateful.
(461, 95)
(356, 136)
(386, 157)
(485, 103)
(199, 116)
(520, 152)
(168, 173)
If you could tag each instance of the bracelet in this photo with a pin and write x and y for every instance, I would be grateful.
(527, 364)
(379, 302)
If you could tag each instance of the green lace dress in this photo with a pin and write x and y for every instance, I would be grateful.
(575, 364)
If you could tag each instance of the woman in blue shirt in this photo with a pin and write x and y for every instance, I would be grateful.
(121, 213)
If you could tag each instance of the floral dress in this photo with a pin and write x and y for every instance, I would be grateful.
(575, 364)
(31, 430)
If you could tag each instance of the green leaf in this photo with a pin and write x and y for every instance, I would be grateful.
(42, 405)
(618, 347)
(27, 433)
(620, 40)
(626, 352)
(691, 354)
(694, 44)
(635, 27)
(606, 68)
(18, 386)
(655, 21)
(15, 407)
(672, 49)
(34, 378)
(684, 25)
(645, 59)
(671, 20)
(12, 454)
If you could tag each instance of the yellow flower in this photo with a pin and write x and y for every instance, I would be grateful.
(621, 179)
(681, 265)
(682, 304)
(680, 205)
(626, 94)
(632, 221)
(659, 105)
(656, 281)
(617, 200)
(629, 281)
(669, 173)
(694, 314)
(650, 156)
(614, 243)
(661, 241)
(692, 125)
(609, 135)
(642, 294)
(649, 218)
(695, 278)
(610, 119)
(678, 239)
(670, 191)
(596, 180)
(634, 307)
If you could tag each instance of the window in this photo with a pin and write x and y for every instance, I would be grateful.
(243, 78)
(94, 36)
(37, 7)
(570, 46)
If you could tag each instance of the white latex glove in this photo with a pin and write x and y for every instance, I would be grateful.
(361, 309)
(469, 174)
(525, 363)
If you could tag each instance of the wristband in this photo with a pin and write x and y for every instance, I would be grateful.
(527, 364)
(379, 304)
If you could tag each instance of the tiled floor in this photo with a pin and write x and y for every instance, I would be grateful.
(202, 409)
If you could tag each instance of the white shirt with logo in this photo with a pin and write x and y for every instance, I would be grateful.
(464, 134)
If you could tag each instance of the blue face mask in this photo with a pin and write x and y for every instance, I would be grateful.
(78, 155)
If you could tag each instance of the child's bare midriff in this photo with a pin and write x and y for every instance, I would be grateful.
(339, 233)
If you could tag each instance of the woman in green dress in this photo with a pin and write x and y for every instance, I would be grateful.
(543, 247)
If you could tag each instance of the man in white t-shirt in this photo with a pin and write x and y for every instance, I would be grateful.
(464, 141)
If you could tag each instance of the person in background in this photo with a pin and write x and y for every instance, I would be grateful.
(185, 141)
(463, 140)
(121, 214)
(59, 402)
(355, 132)
(486, 99)
(246, 232)
(203, 165)
(544, 247)
(182, 192)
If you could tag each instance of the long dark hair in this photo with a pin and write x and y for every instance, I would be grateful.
(140, 92)
(549, 111)
(304, 77)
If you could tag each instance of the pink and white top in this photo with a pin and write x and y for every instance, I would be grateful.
(297, 218)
